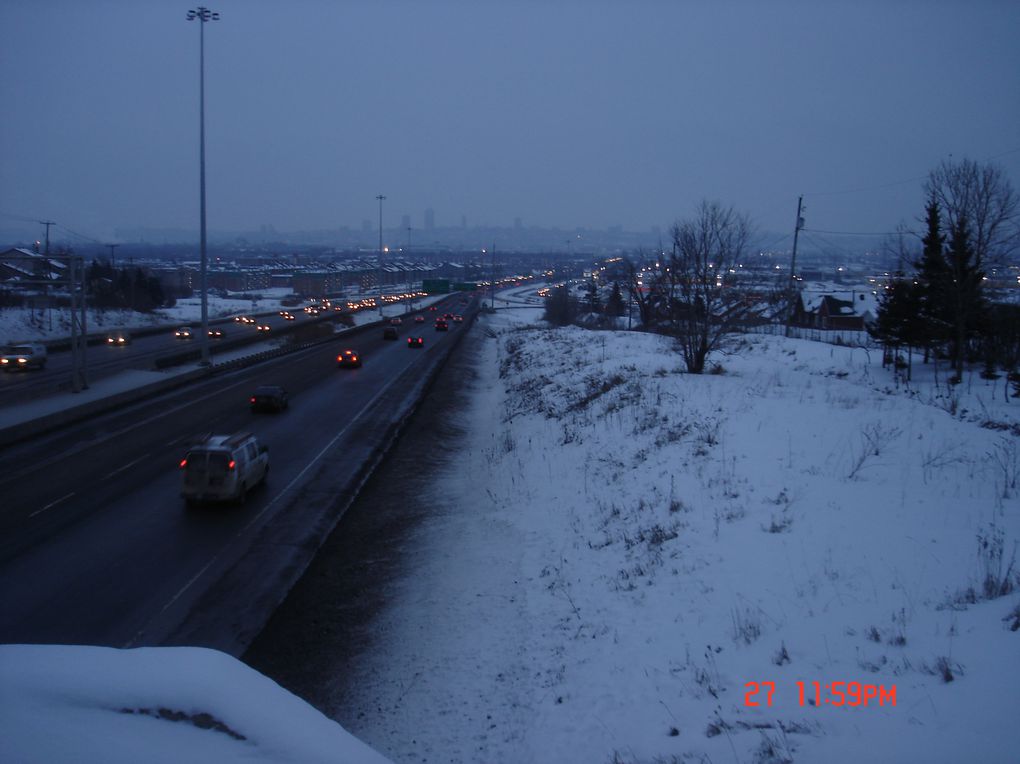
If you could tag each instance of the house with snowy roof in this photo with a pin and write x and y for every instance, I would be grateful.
(845, 310)
(22, 265)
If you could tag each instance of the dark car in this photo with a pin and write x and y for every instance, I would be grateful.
(215, 334)
(269, 398)
(415, 342)
(118, 339)
(349, 359)
(419, 319)
(183, 333)
(441, 325)
(389, 333)
(458, 319)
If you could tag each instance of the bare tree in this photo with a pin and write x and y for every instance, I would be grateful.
(709, 301)
(982, 196)
(641, 285)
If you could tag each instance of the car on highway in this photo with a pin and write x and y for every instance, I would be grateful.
(441, 325)
(183, 333)
(448, 316)
(389, 333)
(215, 334)
(396, 321)
(288, 316)
(118, 339)
(244, 319)
(263, 328)
(457, 319)
(27, 356)
(269, 398)
(433, 307)
(348, 359)
(415, 342)
(419, 319)
(223, 468)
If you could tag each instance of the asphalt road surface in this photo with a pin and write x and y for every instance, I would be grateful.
(96, 546)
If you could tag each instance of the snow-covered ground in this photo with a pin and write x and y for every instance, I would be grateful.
(620, 549)
(172, 704)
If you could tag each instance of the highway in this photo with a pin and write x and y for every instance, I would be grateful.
(96, 546)
(142, 353)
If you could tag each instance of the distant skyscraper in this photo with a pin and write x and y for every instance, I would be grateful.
(430, 219)
(405, 222)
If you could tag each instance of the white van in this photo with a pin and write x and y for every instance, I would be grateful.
(223, 468)
(28, 356)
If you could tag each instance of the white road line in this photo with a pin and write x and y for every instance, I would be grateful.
(126, 466)
(52, 504)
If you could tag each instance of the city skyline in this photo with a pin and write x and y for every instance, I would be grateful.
(568, 115)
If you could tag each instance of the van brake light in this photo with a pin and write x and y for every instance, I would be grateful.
(231, 465)
(184, 463)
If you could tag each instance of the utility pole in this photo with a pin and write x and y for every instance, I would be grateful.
(380, 197)
(49, 313)
(203, 15)
(47, 223)
(113, 261)
(792, 287)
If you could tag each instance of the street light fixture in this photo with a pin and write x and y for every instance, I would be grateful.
(380, 197)
(203, 15)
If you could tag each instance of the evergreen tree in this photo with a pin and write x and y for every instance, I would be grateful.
(966, 305)
(560, 309)
(614, 304)
(898, 322)
(592, 299)
(933, 282)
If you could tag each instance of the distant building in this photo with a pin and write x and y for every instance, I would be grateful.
(430, 219)
(19, 264)
(852, 310)
(405, 222)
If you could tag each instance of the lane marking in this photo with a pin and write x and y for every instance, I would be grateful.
(126, 466)
(52, 504)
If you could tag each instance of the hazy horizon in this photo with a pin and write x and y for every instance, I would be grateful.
(566, 114)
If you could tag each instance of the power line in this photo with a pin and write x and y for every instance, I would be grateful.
(853, 233)
(79, 235)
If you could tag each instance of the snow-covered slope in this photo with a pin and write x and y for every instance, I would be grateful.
(621, 549)
(97, 704)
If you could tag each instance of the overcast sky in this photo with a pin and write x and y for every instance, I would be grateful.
(562, 113)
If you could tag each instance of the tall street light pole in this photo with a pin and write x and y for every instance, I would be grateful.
(203, 15)
(380, 197)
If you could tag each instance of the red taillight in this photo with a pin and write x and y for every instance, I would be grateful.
(231, 465)
(184, 463)
(252, 399)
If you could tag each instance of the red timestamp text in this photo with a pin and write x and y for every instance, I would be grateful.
(824, 694)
